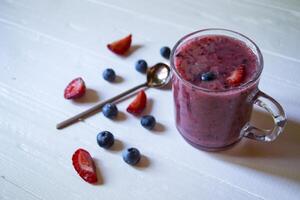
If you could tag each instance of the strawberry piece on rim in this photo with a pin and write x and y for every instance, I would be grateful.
(237, 76)
(84, 165)
(75, 89)
(138, 104)
(121, 46)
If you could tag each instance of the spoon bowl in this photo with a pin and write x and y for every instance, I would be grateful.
(158, 75)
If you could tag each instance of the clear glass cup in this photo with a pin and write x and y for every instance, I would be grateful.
(214, 120)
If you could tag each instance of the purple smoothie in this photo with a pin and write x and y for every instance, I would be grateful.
(210, 114)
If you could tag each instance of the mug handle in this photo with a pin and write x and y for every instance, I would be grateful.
(276, 111)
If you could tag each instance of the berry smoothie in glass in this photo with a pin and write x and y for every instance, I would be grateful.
(215, 84)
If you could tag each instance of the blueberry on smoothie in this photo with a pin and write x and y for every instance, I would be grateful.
(208, 76)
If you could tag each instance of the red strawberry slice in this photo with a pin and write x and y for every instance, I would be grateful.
(84, 165)
(138, 104)
(75, 89)
(121, 46)
(237, 76)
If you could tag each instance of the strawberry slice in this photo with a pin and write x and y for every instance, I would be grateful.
(138, 104)
(84, 165)
(121, 46)
(237, 76)
(75, 89)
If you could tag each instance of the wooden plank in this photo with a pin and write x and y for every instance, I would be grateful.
(9, 190)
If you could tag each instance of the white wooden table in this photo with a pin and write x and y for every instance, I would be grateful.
(44, 44)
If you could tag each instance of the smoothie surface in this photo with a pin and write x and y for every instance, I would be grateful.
(222, 56)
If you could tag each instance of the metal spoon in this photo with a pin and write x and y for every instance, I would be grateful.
(157, 76)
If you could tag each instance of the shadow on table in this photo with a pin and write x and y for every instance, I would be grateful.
(279, 158)
(117, 146)
(121, 116)
(132, 50)
(91, 96)
(143, 163)
(119, 79)
(98, 171)
(168, 86)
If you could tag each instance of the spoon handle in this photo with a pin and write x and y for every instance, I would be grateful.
(96, 107)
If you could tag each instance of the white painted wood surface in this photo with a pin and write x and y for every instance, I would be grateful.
(44, 44)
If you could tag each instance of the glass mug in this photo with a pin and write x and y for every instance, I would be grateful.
(216, 119)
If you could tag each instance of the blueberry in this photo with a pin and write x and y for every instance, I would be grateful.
(109, 74)
(110, 110)
(148, 122)
(165, 52)
(141, 66)
(105, 139)
(208, 76)
(131, 156)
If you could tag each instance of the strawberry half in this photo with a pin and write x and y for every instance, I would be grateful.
(121, 46)
(138, 104)
(75, 89)
(84, 165)
(237, 76)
